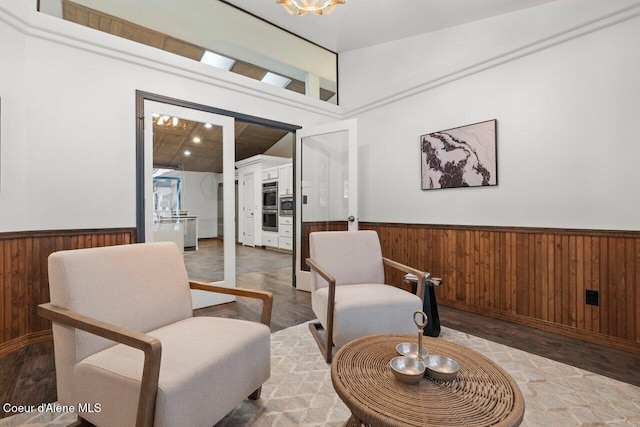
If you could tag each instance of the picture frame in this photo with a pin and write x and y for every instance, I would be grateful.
(464, 156)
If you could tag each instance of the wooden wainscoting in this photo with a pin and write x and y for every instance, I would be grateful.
(24, 280)
(532, 276)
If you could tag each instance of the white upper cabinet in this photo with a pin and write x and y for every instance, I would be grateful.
(285, 180)
(270, 174)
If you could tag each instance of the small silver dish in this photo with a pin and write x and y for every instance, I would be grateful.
(410, 349)
(407, 369)
(441, 368)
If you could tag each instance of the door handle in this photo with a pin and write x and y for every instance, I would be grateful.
(351, 218)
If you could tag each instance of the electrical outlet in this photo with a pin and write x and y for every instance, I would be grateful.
(591, 297)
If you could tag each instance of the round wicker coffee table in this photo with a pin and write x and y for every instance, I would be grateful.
(483, 394)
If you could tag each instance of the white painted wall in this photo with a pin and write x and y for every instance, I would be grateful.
(567, 108)
(14, 157)
(282, 148)
(200, 198)
(68, 117)
(397, 69)
(567, 124)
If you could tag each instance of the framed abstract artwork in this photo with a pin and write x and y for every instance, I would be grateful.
(465, 156)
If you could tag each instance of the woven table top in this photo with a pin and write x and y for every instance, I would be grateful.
(482, 394)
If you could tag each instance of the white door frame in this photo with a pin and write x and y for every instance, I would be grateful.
(200, 298)
(303, 278)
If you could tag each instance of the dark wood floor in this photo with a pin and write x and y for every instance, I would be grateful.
(290, 306)
(620, 365)
(27, 376)
(206, 264)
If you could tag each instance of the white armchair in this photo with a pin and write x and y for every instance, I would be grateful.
(108, 304)
(348, 290)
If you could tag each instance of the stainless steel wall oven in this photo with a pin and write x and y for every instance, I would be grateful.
(270, 219)
(270, 195)
(286, 206)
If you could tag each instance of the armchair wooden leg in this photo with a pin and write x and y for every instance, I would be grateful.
(256, 394)
(326, 347)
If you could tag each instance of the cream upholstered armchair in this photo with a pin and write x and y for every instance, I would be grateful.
(348, 293)
(128, 350)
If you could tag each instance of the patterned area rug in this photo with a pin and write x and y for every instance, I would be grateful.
(299, 392)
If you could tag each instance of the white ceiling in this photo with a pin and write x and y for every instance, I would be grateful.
(361, 23)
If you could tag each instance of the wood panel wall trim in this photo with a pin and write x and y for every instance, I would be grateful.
(632, 234)
(74, 232)
(24, 280)
(531, 276)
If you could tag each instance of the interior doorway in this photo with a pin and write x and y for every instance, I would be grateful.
(261, 244)
(214, 235)
(220, 196)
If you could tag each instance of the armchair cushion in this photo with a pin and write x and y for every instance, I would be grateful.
(222, 359)
(363, 304)
(351, 257)
(141, 287)
(367, 309)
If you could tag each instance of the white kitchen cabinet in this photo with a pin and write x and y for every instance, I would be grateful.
(285, 243)
(167, 228)
(285, 220)
(270, 174)
(285, 180)
(285, 233)
(285, 230)
(251, 174)
(270, 239)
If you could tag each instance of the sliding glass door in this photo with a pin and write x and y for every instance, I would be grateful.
(166, 218)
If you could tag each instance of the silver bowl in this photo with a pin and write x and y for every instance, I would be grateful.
(407, 369)
(410, 349)
(441, 368)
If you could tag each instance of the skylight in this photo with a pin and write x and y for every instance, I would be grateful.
(275, 79)
(216, 60)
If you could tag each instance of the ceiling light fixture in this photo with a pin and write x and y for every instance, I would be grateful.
(168, 121)
(317, 7)
(165, 120)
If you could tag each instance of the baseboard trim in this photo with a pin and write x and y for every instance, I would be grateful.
(24, 340)
(592, 337)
